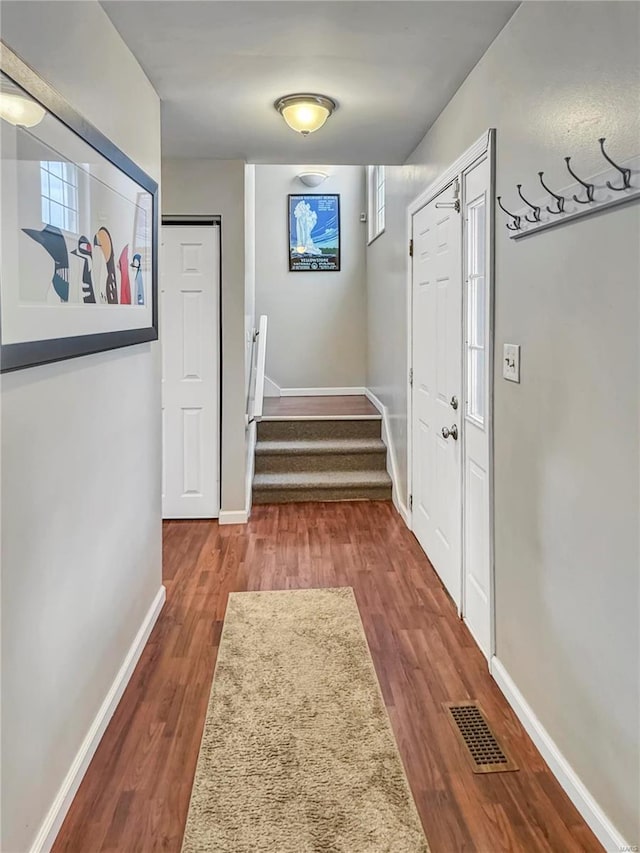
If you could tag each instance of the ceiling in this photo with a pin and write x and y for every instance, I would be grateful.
(219, 66)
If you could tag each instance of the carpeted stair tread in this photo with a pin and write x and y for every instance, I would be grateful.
(325, 430)
(322, 480)
(312, 446)
(320, 460)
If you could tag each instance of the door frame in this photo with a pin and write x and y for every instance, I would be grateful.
(482, 147)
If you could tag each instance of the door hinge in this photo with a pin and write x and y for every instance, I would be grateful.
(410, 501)
(411, 248)
(411, 377)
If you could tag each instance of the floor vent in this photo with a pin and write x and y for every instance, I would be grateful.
(481, 745)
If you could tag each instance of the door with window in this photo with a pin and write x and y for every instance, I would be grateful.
(437, 385)
(189, 317)
(451, 417)
(477, 593)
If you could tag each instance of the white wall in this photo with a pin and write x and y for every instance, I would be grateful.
(249, 267)
(81, 532)
(559, 76)
(317, 321)
(217, 188)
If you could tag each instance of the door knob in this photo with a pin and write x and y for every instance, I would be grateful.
(453, 402)
(453, 432)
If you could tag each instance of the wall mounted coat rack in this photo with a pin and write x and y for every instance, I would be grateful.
(616, 184)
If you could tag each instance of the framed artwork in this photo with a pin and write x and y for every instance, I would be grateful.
(314, 233)
(78, 230)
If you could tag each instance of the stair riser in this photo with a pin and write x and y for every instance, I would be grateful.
(288, 430)
(280, 496)
(278, 463)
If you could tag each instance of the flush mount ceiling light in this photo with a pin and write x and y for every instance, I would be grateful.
(305, 113)
(18, 110)
(312, 179)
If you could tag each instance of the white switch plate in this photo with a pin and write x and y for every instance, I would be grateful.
(511, 362)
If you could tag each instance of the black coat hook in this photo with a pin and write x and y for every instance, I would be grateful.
(534, 207)
(516, 219)
(589, 187)
(559, 198)
(626, 173)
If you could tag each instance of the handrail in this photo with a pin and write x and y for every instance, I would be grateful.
(258, 396)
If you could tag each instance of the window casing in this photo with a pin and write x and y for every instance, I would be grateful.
(375, 201)
(476, 310)
(59, 192)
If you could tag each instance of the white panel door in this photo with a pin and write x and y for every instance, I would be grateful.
(437, 385)
(477, 410)
(190, 296)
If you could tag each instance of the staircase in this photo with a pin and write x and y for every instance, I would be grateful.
(320, 458)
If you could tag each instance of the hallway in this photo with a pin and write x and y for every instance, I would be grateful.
(136, 792)
(296, 296)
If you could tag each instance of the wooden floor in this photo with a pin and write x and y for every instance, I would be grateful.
(297, 407)
(136, 792)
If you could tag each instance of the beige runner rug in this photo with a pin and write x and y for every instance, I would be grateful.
(297, 754)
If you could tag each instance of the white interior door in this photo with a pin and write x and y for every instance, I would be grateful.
(190, 296)
(477, 593)
(437, 386)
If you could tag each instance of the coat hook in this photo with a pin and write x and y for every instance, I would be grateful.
(626, 173)
(516, 219)
(535, 208)
(589, 187)
(559, 198)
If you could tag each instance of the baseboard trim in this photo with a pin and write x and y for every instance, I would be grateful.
(323, 392)
(233, 516)
(251, 464)
(392, 465)
(53, 821)
(569, 780)
(271, 389)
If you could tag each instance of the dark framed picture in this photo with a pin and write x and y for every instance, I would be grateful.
(314, 233)
(78, 233)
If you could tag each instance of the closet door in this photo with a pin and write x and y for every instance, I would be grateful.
(190, 330)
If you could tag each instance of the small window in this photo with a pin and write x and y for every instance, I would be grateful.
(476, 311)
(375, 201)
(59, 191)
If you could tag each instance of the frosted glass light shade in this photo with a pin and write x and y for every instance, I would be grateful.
(305, 113)
(18, 110)
(312, 179)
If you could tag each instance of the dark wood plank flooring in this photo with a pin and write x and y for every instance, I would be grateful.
(355, 405)
(135, 794)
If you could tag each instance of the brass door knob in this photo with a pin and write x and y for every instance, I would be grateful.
(453, 432)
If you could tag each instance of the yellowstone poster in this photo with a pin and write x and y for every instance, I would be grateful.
(314, 233)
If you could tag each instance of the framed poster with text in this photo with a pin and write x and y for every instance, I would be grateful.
(314, 233)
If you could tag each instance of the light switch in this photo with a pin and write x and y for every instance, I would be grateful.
(511, 362)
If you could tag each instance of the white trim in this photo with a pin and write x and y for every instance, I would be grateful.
(392, 464)
(55, 816)
(323, 392)
(270, 388)
(250, 467)
(483, 146)
(491, 350)
(373, 239)
(258, 396)
(233, 516)
(321, 418)
(479, 147)
(569, 780)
